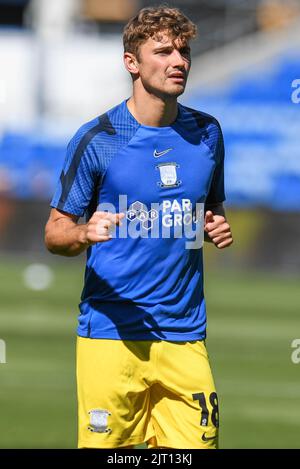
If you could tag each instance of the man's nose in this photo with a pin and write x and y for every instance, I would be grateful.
(177, 59)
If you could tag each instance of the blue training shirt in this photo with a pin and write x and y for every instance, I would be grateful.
(146, 283)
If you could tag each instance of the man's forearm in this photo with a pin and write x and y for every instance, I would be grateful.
(66, 239)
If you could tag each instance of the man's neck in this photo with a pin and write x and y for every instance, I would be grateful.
(153, 111)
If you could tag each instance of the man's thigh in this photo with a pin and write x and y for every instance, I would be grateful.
(113, 399)
(184, 402)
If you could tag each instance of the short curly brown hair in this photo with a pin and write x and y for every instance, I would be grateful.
(150, 21)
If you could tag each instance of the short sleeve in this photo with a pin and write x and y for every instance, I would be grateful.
(78, 178)
(217, 192)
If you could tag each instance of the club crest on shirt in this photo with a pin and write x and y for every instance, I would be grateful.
(98, 421)
(168, 174)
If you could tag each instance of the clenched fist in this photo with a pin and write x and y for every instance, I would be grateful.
(100, 226)
(218, 230)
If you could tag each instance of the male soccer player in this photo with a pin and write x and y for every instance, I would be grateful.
(148, 175)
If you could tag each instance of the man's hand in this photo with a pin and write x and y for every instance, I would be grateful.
(100, 226)
(64, 236)
(218, 230)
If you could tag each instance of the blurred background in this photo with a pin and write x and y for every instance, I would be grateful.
(61, 65)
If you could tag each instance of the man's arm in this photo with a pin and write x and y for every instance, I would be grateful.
(216, 228)
(65, 237)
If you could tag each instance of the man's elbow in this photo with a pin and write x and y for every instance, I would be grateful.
(56, 249)
(56, 245)
(48, 240)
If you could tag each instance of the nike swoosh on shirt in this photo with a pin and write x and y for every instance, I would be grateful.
(157, 154)
(205, 438)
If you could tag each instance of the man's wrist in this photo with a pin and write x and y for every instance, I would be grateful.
(82, 236)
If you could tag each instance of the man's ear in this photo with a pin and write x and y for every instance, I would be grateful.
(131, 63)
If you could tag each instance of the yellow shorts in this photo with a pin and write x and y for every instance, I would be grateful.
(131, 392)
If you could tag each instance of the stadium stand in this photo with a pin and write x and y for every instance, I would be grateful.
(246, 83)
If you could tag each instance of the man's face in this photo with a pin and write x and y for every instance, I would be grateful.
(163, 65)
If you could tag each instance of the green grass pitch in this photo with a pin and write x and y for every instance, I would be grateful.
(252, 320)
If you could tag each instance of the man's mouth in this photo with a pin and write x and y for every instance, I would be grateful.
(177, 77)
